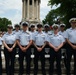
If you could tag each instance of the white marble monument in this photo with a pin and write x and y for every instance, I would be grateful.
(31, 11)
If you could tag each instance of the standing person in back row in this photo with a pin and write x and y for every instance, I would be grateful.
(32, 31)
(48, 33)
(17, 32)
(0, 53)
(24, 41)
(9, 41)
(63, 33)
(39, 42)
(71, 45)
(55, 42)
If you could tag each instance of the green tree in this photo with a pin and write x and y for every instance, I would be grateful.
(3, 23)
(66, 7)
(52, 17)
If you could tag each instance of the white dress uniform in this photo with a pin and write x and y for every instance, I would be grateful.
(9, 39)
(55, 40)
(24, 39)
(39, 40)
(48, 33)
(16, 32)
(64, 46)
(47, 48)
(17, 47)
(1, 40)
(62, 33)
(0, 56)
(71, 36)
(32, 46)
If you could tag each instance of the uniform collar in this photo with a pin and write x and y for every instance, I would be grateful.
(56, 34)
(46, 32)
(16, 31)
(9, 34)
(72, 28)
(25, 31)
(33, 31)
(40, 32)
(63, 31)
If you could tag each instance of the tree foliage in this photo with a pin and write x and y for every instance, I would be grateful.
(3, 23)
(67, 9)
(52, 17)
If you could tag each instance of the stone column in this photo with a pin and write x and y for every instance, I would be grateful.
(37, 8)
(33, 9)
(27, 9)
(39, 11)
(22, 9)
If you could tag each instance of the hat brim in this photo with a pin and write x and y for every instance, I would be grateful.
(39, 26)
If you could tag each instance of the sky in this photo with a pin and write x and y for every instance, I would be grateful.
(13, 10)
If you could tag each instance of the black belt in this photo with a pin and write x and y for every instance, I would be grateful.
(10, 44)
(39, 46)
(24, 46)
(73, 43)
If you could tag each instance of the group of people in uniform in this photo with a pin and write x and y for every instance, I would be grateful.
(21, 42)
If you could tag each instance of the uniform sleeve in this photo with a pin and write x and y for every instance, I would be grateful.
(3, 38)
(66, 34)
(17, 37)
(62, 39)
(31, 37)
(48, 38)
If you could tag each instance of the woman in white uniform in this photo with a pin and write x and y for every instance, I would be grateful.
(9, 41)
(55, 42)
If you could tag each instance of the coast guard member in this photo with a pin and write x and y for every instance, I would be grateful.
(71, 46)
(24, 41)
(63, 33)
(17, 29)
(32, 31)
(39, 43)
(16, 32)
(55, 42)
(0, 53)
(9, 41)
(48, 33)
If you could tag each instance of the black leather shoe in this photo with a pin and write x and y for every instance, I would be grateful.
(27, 74)
(20, 74)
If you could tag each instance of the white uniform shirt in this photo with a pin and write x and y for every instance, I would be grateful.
(55, 40)
(1, 40)
(16, 32)
(39, 38)
(63, 33)
(33, 33)
(9, 38)
(48, 33)
(71, 35)
(24, 38)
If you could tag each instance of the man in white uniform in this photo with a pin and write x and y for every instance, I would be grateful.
(71, 45)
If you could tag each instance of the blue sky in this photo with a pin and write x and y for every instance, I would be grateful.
(13, 10)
